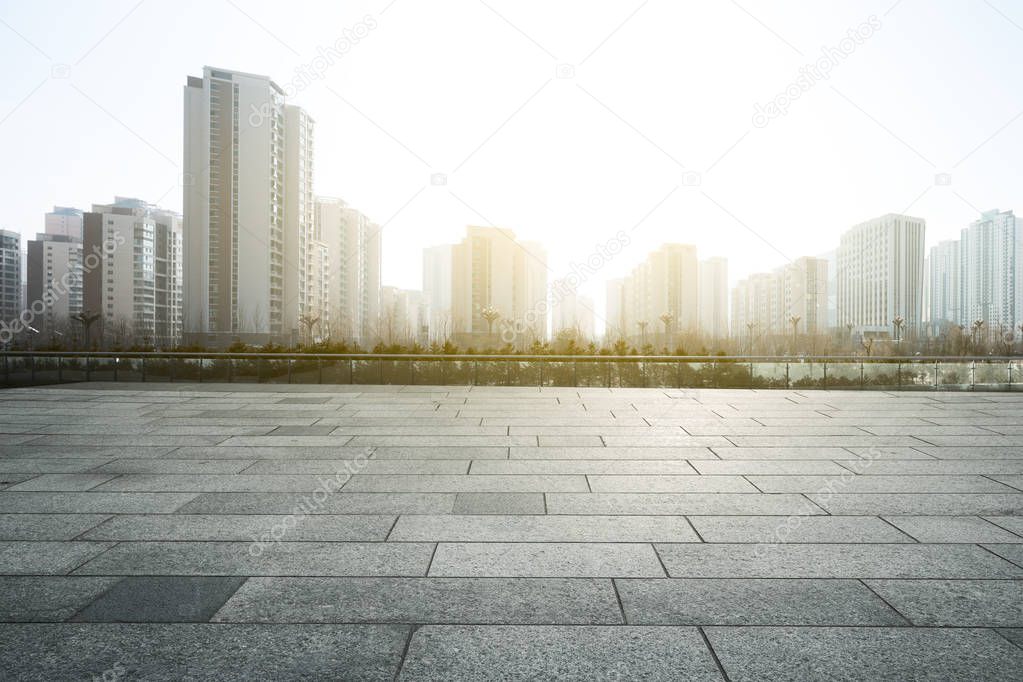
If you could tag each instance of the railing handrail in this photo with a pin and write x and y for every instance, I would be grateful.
(516, 358)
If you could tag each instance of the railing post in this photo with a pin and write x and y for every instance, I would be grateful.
(824, 380)
(351, 370)
(319, 370)
(290, 361)
(88, 369)
(475, 373)
(60, 369)
(170, 369)
(230, 370)
(32, 364)
(412, 372)
(788, 381)
(935, 375)
(117, 363)
(973, 375)
(751, 375)
(143, 369)
(609, 374)
(862, 380)
(898, 375)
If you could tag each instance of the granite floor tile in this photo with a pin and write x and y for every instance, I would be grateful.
(305, 503)
(460, 484)
(955, 603)
(163, 599)
(774, 653)
(498, 503)
(680, 503)
(92, 503)
(833, 561)
(37, 527)
(540, 528)
(251, 558)
(43, 599)
(797, 529)
(46, 558)
(952, 529)
(424, 600)
(241, 527)
(545, 559)
(922, 504)
(752, 602)
(168, 652)
(467, 652)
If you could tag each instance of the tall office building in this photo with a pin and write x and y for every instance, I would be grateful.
(437, 290)
(53, 266)
(132, 272)
(248, 169)
(492, 269)
(880, 275)
(10, 276)
(991, 271)
(353, 296)
(713, 306)
(943, 271)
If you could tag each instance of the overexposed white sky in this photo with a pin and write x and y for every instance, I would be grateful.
(652, 129)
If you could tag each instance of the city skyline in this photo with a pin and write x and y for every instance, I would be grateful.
(843, 152)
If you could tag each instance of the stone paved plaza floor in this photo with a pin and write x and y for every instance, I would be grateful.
(379, 532)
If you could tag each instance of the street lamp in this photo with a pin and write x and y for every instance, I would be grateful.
(87, 319)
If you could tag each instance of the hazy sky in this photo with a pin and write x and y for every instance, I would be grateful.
(652, 129)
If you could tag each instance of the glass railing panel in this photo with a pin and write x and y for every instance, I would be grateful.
(881, 375)
(305, 371)
(217, 370)
(806, 374)
(46, 370)
(276, 370)
(128, 369)
(769, 375)
(158, 370)
(395, 372)
(246, 370)
(457, 372)
(730, 374)
(591, 373)
(335, 370)
(916, 375)
(103, 369)
(366, 371)
(627, 374)
(491, 373)
(844, 375)
(991, 375)
(1016, 375)
(661, 374)
(955, 375)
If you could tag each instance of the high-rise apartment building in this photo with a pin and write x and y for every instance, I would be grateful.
(64, 221)
(663, 287)
(404, 316)
(991, 271)
(354, 250)
(53, 266)
(132, 272)
(10, 276)
(248, 208)
(790, 298)
(880, 275)
(713, 290)
(437, 290)
(491, 269)
(943, 272)
(571, 312)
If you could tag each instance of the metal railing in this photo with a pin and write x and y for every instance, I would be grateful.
(30, 368)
